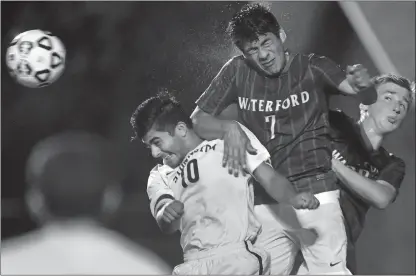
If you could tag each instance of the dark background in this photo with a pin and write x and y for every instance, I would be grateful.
(119, 53)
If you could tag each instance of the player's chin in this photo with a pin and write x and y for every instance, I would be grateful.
(272, 70)
(172, 161)
(389, 128)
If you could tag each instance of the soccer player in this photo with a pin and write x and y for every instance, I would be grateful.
(370, 176)
(73, 187)
(281, 98)
(212, 209)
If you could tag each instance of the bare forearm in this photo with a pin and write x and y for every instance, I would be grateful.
(279, 188)
(209, 127)
(377, 194)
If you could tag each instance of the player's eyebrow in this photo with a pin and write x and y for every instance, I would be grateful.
(153, 140)
(265, 41)
(406, 99)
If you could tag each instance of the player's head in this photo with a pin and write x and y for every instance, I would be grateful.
(256, 32)
(395, 96)
(73, 175)
(162, 124)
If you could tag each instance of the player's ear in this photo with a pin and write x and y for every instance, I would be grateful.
(181, 129)
(35, 202)
(282, 35)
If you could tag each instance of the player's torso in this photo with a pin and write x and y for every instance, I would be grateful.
(218, 206)
(351, 149)
(289, 116)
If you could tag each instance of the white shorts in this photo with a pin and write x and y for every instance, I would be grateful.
(319, 234)
(241, 259)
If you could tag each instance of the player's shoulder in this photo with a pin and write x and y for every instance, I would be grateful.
(21, 245)
(392, 158)
(338, 119)
(235, 62)
(162, 169)
(315, 57)
(317, 60)
(159, 173)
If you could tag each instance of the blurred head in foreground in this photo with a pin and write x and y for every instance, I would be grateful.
(72, 175)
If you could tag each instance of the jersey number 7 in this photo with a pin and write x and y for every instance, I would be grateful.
(272, 120)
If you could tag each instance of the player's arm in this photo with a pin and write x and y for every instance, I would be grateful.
(275, 184)
(163, 206)
(215, 115)
(220, 93)
(379, 193)
(355, 81)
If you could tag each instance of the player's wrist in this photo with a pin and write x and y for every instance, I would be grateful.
(161, 205)
(226, 126)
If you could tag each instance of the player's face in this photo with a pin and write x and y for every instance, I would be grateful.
(390, 108)
(266, 53)
(164, 146)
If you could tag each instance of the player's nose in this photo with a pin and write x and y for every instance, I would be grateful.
(396, 107)
(262, 54)
(156, 152)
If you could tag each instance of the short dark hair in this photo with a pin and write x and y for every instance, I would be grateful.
(162, 112)
(251, 21)
(399, 80)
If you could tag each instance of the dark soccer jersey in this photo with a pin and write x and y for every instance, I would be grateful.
(352, 144)
(288, 114)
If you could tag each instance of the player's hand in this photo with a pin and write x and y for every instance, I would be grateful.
(236, 143)
(358, 77)
(336, 164)
(172, 211)
(305, 200)
(336, 155)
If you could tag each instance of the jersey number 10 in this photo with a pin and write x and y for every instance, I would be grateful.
(192, 173)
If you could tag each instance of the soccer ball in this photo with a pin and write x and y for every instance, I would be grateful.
(36, 58)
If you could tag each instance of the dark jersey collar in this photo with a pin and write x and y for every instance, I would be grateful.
(365, 141)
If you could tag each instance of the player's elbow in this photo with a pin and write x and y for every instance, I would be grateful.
(380, 205)
(197, 118)
(383, 201)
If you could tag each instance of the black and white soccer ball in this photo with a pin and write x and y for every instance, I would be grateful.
(36, 58)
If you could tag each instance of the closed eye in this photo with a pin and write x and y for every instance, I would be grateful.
(252, 51)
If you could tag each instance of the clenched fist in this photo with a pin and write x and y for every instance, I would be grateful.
(171, 211)
(358, 77)
(304, 200)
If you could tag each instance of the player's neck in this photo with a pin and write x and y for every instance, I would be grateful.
(369, 128)
(192, 141)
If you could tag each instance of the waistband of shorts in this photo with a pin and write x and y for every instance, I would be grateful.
(324, 198)
(328, 197)
(218, 251)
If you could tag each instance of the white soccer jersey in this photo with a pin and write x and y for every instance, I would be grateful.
(218, 206)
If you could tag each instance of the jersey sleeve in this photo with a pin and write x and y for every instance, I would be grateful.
(393, 173)
(158, 188)
(253, 161)
(222, 90)
(326, 69)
